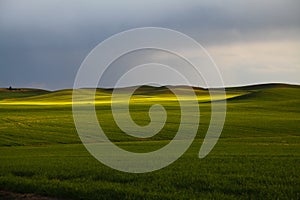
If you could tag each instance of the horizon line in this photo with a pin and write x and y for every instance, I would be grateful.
(155, 86)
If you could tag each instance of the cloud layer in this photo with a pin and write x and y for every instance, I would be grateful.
(42, 43)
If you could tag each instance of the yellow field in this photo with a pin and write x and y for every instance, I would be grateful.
(64, 97)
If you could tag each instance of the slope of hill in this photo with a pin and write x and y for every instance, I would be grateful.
(256, 157)
(144, 93)
(20, 93)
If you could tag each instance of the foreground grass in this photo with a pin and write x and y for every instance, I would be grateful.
(257, 156)
(264, 168)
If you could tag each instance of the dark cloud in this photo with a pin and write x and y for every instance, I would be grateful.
(44, 42)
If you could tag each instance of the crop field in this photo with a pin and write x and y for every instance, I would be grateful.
(257, 156)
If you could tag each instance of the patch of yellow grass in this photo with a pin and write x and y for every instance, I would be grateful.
(107, 99)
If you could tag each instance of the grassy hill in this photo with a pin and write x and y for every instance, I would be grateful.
(20, 93)
(145, 93)
(257, 156)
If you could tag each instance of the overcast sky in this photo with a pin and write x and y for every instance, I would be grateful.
(43, 43)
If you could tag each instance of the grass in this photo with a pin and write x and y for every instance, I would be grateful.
(257, 156)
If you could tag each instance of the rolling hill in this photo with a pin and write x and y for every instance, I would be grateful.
(144, 93)
(257, 156)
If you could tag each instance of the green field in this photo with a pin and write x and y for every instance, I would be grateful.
(257, 156)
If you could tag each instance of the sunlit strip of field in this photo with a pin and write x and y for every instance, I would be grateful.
(53, 102)
(201, 98)
(134, 99)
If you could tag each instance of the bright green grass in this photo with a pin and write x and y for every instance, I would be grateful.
(257, 157)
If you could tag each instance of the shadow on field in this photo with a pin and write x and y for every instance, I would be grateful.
(6, 195)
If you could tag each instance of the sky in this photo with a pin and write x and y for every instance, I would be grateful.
(43, 43)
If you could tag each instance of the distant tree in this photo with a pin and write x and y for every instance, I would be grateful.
(10, 88)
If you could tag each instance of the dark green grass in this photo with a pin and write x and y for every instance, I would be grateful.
(257, 157)
(258, 168)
